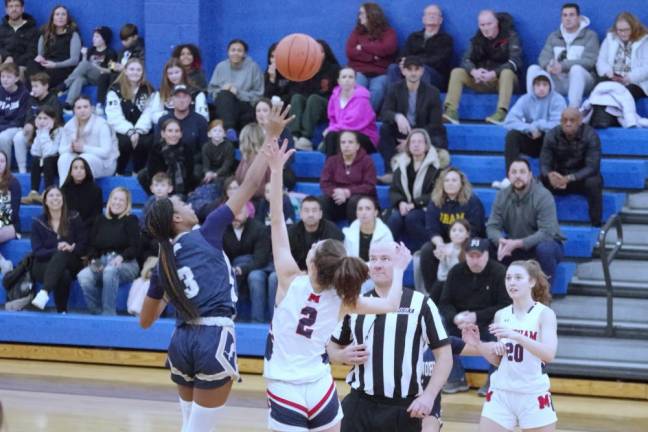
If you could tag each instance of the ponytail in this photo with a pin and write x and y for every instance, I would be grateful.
(349, 276)
(541, 291)
(159, 223)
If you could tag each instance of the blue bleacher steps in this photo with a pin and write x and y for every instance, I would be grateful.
(478, 106)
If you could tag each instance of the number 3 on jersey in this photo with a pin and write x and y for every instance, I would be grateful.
(191, 286)
(309, 315)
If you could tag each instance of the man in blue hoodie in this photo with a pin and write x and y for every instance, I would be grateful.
(532, 115)
(14, 102)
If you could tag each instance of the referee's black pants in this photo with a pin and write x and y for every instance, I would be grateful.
(365, 414)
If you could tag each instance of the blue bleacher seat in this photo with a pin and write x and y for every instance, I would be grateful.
(477, 106)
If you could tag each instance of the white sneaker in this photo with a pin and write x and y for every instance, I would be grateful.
(5, 266)
(41, 299)
(501, 184)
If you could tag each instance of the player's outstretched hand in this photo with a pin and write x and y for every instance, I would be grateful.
(277, 156)
(277, 120)
(402, 256)
(421, 406)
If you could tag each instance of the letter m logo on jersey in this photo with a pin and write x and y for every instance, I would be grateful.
(545, 401)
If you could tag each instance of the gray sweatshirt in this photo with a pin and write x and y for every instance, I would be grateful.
(531, 217)
(583, 50)
(247, 78)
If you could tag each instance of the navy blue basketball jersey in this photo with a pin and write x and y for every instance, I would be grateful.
(203, 267)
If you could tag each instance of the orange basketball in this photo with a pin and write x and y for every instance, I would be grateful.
(298, 57)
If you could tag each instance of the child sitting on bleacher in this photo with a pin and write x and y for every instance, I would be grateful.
(161, 187)
(459, 233)
(40, 96)
(14, 100)
(95, 63)
(44, 151)
(217, 155)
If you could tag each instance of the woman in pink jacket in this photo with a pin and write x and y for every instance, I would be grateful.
(349, 109)
(371, 48)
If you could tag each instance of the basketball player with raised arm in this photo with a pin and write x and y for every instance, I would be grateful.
(300, 387)
(527, 340)
(195, 276)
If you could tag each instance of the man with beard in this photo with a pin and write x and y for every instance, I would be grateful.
(18, 35)
(523, 223)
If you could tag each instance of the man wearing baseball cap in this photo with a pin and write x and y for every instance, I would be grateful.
(473, 292)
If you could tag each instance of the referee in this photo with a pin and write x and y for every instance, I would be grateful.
(386, 352)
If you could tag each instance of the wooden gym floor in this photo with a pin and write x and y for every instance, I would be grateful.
(69, 397)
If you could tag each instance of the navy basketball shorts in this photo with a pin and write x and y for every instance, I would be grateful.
(203, 356)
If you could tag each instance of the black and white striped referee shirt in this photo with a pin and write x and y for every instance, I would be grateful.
(396, 342)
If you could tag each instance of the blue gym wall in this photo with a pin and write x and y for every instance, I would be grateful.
(211, 23)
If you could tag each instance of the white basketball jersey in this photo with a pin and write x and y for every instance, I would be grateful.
(520, 371)
(301, 327)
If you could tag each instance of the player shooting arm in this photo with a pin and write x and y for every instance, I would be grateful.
(277, 120)
(285, 264)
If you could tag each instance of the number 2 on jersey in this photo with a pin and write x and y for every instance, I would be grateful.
(309, 315)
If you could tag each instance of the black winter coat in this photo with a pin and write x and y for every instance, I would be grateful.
(20, 44)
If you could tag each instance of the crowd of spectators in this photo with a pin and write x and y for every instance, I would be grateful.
(165, 138)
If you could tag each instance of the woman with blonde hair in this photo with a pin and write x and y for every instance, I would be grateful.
(250, 142)
(112, 249)
(126, 102)
(411, 188)
(623, 56)
(452, 198)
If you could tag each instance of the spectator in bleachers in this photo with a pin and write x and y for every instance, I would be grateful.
(251, 141)
(624, 55)
(309, 99)
(452, 199)
(168, 155)
(18, 35)
(262, 209)
(191, 60)
(44, 152)
(410, 104)
(133, 47)
(570, 162)
(490, 64)
(459, 234)
(113, 247)
(371, 48)
(14, 104)
(10, 193)
(81, 192)
(217, 155)
(530, 118)
(349, 108)
(95, 62)
(275, 85)
(416, 172)
(262, 110)
(58, 240)
(311, 228)
(367, 229)
(59, 46)
(247, 244)
(432, 45)
(235, 85)
(161, 187)
(161, 103)
(473, 292)
(89, 136)
(194, 131)
(40, 96)
(125, 104)
(346, 177)
(569, 55)
(523, 223)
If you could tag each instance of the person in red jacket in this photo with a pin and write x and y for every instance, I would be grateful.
(346, 177)
(371, 48)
